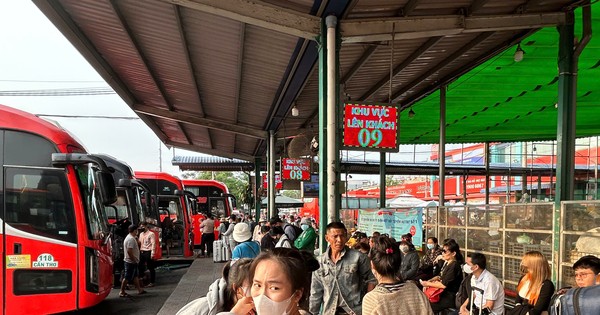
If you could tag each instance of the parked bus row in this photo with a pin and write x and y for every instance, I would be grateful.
(64, 213)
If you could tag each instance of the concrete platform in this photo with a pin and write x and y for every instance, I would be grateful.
(194, 284)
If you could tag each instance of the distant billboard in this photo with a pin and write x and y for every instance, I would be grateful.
(311, 189)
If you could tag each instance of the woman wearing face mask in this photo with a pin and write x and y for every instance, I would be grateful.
(306, 240)
(449, 278)
(535, 288)
(224, 293)
(392, 295)
(410, 261)
(278, 284)
(431, 258)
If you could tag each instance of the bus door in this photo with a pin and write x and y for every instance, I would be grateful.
(40, 269)
(173, 222)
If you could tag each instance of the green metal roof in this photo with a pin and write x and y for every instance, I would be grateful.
(503, 101)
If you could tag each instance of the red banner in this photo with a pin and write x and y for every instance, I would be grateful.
(371, 127)
(278, 182)
(295, 169)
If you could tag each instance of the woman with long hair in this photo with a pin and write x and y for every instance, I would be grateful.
(535, 288)
(392, 295)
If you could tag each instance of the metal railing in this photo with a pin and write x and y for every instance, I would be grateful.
(504, 233)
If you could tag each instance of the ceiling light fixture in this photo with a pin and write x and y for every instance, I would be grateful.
(411, 113)
(519, 53)
(295, 111)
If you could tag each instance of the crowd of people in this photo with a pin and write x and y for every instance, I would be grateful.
(273, 271)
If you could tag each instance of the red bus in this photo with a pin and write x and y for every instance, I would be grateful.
(55, 234)
(175, 213)
(212, 197)
(134, 205)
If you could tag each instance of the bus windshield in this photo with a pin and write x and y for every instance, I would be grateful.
(119, 209)
(38, 201)
(96, 218)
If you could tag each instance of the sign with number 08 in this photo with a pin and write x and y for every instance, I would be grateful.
(295, 169)
(371, 127)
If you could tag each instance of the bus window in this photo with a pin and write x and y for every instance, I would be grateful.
(120, 206)
(38, 202)
(139, 204)
(218, 207)
(96, 218)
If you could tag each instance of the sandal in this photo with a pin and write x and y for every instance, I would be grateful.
(143, 292)
(124, 295)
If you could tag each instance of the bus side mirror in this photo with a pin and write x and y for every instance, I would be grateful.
(124, 182)
(108, 190)
(178, 192)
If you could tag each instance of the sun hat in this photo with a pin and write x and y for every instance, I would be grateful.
(241, 232)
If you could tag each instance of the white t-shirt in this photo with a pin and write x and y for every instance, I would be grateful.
(131, 242)
(492, 291)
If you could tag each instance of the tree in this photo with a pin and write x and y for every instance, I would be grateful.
(391, 181)
(291, 193)
(237, 182)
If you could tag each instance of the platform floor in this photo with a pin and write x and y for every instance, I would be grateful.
(194, 284)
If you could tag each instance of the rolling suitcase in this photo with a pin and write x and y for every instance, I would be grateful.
(218, 246)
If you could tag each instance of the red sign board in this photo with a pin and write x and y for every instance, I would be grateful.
(295, 169)
(371, 127)
(278, 183)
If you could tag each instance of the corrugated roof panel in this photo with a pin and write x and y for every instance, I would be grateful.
(266, 57)
(102, 26)
(214, 44)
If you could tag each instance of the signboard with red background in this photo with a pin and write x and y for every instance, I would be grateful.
(278, 183)
(371, 127)
(295, 169)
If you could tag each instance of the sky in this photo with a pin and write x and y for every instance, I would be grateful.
(34, 55)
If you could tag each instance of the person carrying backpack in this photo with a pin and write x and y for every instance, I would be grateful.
(292, 231)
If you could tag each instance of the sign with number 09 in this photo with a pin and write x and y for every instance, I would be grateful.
(371, 127)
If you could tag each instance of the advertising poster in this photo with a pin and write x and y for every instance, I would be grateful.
(393, 222)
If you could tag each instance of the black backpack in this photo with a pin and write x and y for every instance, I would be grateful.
(297, 231)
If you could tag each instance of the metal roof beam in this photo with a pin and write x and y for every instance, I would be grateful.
(238, 88)
(259, 13)
(476, 5)
(209, 123)
(410, 59)
(476, 41)
(145, 62)
(363, 59)
(372, 30)
(466, 68)
(215, 152)
(410, 7)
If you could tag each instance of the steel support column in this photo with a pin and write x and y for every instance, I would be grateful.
(565, 133)
(257, 185)
(323, 209)
(442, 146)
(271, 193)
(332, 120)
(486, 152)
(382, 196)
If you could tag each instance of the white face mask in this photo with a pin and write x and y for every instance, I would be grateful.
(265, 306)
(467, 269)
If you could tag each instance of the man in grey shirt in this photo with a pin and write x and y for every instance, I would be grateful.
(343, 278)
(131, 250)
